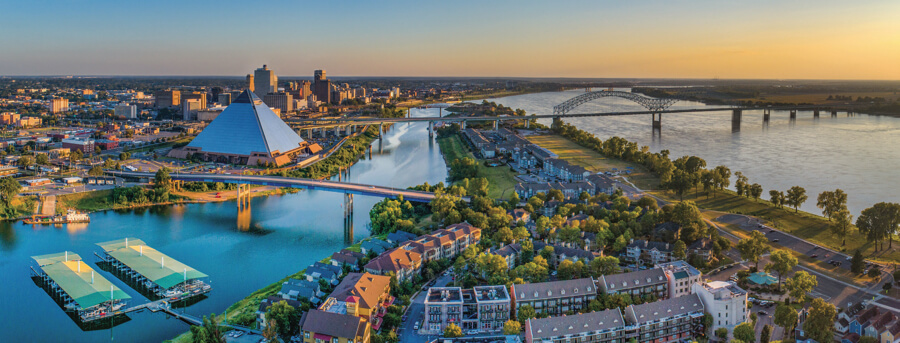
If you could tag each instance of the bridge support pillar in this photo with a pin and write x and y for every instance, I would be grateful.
(322, 131)
(348, 218)
(793, 114)
(430, 129)
(527, 123)
(834, 113)
(767, 114)
(380, 130)
(736, 115)
(243, 197)
(656, 118)
(440, 112)
(815, 113)
(463, 125)
(496, 124)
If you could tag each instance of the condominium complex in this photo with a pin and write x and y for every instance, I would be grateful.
(646, 282)
(556, 297)
(681, 276)
(669, 320)
(725, 301)
(405, 260)
(483, 308)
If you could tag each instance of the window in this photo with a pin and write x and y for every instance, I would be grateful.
(334, 340)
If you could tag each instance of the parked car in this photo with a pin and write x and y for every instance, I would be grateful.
(814, 255)
(416, 327)
(775, 240)
(763, 313)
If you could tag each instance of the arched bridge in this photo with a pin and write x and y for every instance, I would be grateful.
(278, 181)
(652, 104)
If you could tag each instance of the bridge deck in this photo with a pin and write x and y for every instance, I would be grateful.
(277, 181)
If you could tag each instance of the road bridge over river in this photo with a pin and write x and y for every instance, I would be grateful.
(288, 182)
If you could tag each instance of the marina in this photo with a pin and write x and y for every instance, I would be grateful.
(71, 216)
(161, 275)
(77, 288)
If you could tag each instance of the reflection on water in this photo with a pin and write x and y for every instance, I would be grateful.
(855, 153)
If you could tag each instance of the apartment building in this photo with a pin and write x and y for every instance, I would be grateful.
(317, 326)
(555, 297)
(482, 308)
(725, 301)
(681, 276)
(668, 320)
(597, 327)
(649, 252)
(643, 283)
(446, 243)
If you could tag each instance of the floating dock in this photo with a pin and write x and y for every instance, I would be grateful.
(78, 288)
(161, 275)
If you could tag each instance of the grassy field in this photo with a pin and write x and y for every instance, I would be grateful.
(592, 160)
(84, 201)
(502, 179)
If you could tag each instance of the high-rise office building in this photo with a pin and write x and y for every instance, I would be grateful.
(168, 98)
(189, 108)
(281, 100)
(199, 96)
(264, 81)
(250, 85)
(321, 86)
(59, 105)
(126, 110)
(224, 99)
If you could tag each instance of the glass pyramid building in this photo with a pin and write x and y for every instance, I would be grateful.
(247, 132)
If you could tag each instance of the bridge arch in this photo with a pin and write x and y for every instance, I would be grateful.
(652, 104)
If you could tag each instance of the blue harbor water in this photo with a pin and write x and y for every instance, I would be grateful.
(284, 234)
(857, 154)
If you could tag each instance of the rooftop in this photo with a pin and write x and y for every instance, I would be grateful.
(554, 289)
(575, 324)
(444, 295)
(247, 126)
(78, 279)
(668, 308)
(723, 289)
(163, 270)
(638, 278)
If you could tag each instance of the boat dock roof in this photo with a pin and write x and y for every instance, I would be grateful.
(78, 279)
(163, 270)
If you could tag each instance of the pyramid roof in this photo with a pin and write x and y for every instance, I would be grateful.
(247, 126)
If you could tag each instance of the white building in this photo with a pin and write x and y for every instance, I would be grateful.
(725, 301)
(681, 276)
(126, 110)
(264, 81)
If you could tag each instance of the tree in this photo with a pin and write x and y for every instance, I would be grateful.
(162, 179)
(857, 263)
(42, 159)
(209, 332)
(452, 331)
(831, 202)
(800, 285)
(776, 198)
(796, 196)
(95, 171)
(270, 333)
(751, 248)
(841, 226)
(604, 265)
(722, 333)
(25, 161)
(565, 270)
(879, 222)
(819, 323)
(284, 317)
(687, 216)
(740, 184)
(511, 327)
(744, 332)
(874, 272)
(679, 251)
(681, 182)
(9, 187)
(755, 191)
(786, 317)
(525, 313)
(867, 339)
(765, 334)
(783, 261)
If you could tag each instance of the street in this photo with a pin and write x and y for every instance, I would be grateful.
(416, 312)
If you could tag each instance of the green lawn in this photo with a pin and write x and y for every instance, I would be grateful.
(502, 179)
(84, 201)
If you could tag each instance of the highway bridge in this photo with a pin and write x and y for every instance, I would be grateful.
(288, 182)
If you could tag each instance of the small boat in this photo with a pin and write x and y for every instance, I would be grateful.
(71, 216)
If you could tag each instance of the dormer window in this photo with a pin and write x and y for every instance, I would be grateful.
(562, 292)
(576, 291)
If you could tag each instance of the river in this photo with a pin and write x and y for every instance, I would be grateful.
(286, 233)
(856, 154)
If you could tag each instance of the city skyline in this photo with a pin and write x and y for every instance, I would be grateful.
(704, 39)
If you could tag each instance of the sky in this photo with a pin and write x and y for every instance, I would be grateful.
(786, 39)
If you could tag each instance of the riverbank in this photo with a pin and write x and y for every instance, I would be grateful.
(808, 226)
